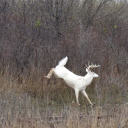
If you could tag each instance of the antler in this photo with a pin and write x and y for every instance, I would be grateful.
(92, 66)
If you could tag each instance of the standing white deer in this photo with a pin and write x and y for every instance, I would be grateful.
(78, 83)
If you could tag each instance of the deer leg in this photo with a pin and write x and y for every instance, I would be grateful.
(77, 96)
(85, 94)
(50, 73)
(55, 75)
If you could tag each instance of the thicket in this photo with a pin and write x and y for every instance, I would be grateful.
(36, 34)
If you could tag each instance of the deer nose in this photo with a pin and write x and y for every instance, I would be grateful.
(96, 75)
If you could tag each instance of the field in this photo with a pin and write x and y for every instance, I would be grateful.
(26, 112)
(54, 109)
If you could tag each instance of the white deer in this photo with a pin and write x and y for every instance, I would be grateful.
(78, 83)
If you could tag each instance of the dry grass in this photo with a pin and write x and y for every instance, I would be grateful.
(53, 109)
(27, 112)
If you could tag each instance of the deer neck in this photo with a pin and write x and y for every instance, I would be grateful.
(88, 78)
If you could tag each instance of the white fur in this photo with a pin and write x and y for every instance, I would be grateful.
(78, 83)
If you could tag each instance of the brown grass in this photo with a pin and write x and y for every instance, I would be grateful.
(27, 112)
(20, 108)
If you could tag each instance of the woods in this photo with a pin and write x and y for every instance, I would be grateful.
(35, 35)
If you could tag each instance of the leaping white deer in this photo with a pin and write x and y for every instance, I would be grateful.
(78, 83)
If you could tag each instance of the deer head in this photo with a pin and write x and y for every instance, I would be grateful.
(89, 67)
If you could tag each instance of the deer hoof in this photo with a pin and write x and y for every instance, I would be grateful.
(47, 77)
(92, 105)
(73, 102)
